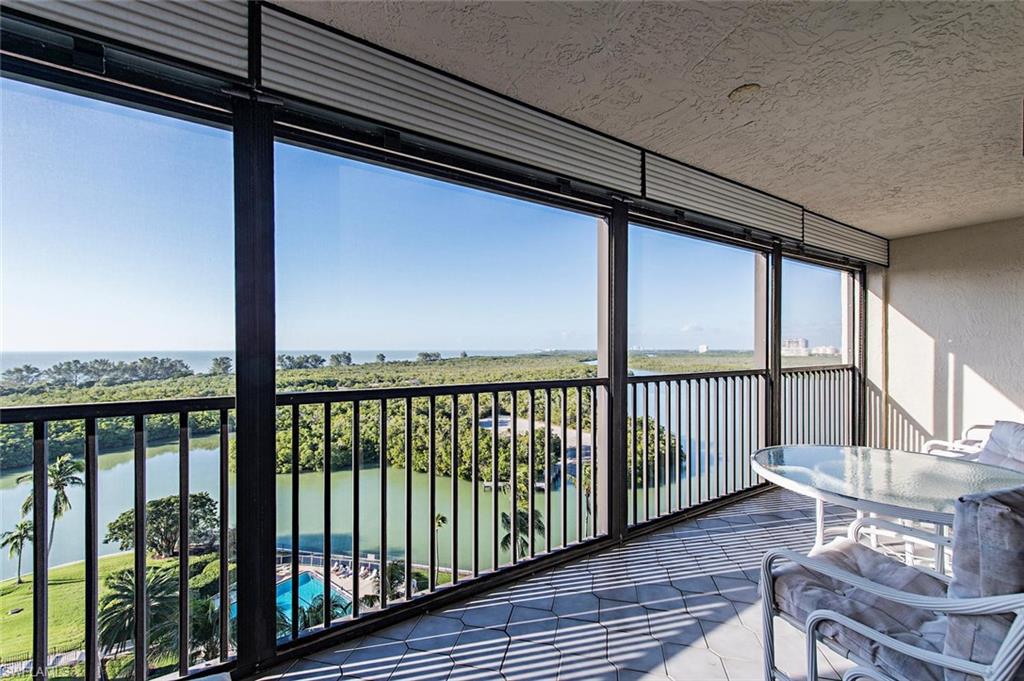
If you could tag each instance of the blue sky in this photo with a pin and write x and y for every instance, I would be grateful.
(116, 234)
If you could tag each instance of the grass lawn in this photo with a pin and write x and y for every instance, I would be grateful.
(66, 595)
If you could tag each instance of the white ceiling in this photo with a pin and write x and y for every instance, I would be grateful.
(899, 118)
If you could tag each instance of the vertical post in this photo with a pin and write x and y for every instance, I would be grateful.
(613, 263)
(40, 566)
(860, 405)
(254, 383)
(140, 645)
(92, 586)
(773, 431)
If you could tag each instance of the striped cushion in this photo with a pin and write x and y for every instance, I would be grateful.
(988, 560)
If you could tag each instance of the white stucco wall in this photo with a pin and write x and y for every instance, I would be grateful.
(955, 332)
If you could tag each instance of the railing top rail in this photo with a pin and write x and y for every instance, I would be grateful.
(816, 369)
(69, 412)
(366, 394)
(662, 378)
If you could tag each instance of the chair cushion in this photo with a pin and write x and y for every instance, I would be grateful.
(1005, 446)
(799, 591)
(988, 560)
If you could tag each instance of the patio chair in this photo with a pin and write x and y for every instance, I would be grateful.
(901, 623)
(1001, 444)
(972, 439)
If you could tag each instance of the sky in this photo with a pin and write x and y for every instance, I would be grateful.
(116, 235)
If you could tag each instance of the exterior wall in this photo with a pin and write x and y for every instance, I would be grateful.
(952, 332)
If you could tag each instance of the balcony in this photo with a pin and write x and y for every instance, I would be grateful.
(609, 190)
(679, 602)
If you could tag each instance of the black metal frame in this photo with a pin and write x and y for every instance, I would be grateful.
(182, 90)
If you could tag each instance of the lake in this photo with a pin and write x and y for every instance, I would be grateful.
(116, 495)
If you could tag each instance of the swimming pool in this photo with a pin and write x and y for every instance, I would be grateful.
(310, 586)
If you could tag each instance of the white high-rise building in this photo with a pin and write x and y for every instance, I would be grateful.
(795, 347)
(702, 348)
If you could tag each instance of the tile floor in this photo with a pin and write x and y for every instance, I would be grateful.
(681, 604)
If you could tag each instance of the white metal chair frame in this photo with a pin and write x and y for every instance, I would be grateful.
(969, 443)
(1006, 662)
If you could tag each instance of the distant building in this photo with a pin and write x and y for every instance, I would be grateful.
(795, 347)
(702, 348)
(824, 350)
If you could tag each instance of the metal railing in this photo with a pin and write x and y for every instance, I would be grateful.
(818, 405)
(90, 415)
(515, 466)
(518, 440)
(527, 452)
(690, 437)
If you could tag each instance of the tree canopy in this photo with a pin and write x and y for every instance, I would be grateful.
(162, 524)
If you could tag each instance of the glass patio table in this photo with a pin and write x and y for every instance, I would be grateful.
(906, 485)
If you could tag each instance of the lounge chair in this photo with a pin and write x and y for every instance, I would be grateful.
(901, 623)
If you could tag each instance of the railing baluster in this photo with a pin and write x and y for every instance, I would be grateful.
(357, 462)
(532, 474)
(657, 449)
(408, 498)
(432, 491)
(92, 591)
(679, 446)
(494, 481)
(382, 565)
(225, 600)
(475, 492)
(579, 464)
(40, 568)
(594, 477)
(689, 443)
(646, 449)
(183, 503)
(139, 642)
(455, 488)
(636, 455)
(706, 477)
(547, 470)
(296, 416)
(729, 414)
(513, 477)
(563, 476)
(327, 514)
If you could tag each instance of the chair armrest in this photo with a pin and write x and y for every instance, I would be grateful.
(947, 448)
(859, 673)
(966, 435)
(854, 529)
(985, 605)
(819, 617)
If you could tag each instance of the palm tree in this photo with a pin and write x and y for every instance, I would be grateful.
(204, 629)
(61, 474)
(394, 573)
(440, 520)
(314, 614)
(116, 617)
(522, 530)
(14, 541)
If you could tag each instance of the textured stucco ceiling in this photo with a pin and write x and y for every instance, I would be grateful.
(899, 118)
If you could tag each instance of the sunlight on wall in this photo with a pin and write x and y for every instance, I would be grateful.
(982, 402)
(911, 382)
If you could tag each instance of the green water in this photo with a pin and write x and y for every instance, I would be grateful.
(115, 489)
